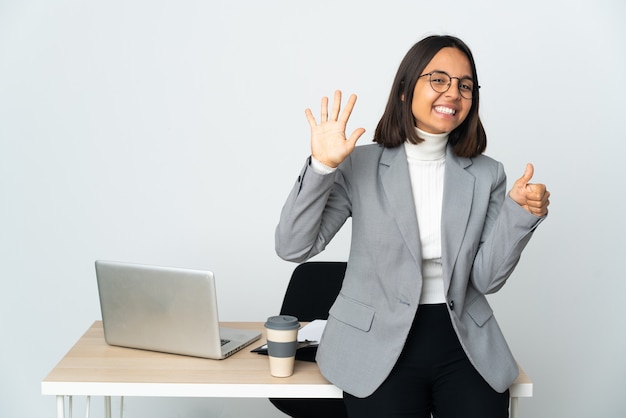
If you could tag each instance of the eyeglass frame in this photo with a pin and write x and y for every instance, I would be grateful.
(474, 88)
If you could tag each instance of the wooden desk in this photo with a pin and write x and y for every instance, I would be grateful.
(94, 368)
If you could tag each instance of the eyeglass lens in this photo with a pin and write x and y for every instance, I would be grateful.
(441, 82)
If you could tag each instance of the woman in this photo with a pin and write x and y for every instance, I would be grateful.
(433, 231)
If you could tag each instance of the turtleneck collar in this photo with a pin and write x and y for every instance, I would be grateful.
(431, 149)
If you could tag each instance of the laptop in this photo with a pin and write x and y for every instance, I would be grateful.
(165, 309)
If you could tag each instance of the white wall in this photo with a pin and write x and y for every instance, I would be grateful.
(170, 133)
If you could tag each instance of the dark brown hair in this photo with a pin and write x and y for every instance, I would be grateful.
(397, 124)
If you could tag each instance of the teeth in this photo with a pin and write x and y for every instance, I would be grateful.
(446, 110)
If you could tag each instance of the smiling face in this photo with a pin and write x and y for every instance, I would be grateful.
(442, 112)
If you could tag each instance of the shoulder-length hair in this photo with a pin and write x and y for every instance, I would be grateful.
(397, 124)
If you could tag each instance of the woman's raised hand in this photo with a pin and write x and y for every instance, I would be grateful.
(329, 144)
(533, 197)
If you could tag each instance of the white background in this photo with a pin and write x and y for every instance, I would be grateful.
(170, 132)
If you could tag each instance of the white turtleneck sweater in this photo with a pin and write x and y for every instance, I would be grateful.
(426, 169)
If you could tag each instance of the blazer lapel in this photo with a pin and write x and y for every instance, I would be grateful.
(394, 174)
(458, 193)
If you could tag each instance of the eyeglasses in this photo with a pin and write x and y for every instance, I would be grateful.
(441, 82)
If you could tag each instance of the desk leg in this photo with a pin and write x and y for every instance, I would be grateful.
(107, 406)
(514, 406)
(60, 406)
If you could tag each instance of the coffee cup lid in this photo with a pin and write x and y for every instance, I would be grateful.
(285, 322)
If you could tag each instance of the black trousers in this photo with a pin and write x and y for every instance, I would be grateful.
(432, 376)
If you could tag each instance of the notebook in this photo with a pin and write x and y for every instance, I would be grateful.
(165, 309)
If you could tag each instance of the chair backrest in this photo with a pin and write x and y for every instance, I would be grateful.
(312, 289)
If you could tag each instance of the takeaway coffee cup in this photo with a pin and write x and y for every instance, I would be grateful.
(282, 341)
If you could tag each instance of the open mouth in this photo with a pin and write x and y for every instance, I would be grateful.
(445, 110)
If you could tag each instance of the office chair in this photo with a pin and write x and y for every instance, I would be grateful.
(312, 289)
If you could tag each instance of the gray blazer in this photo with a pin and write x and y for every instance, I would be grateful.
(483, 235)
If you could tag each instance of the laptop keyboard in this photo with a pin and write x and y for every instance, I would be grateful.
(224, 342)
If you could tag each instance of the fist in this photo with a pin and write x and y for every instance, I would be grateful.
(532, 197)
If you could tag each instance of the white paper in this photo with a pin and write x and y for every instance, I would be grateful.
(312, 331)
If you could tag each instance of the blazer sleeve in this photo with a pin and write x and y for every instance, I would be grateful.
(506, 233)
(316, 208)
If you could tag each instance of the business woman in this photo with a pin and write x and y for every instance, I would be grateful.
(433, 231)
